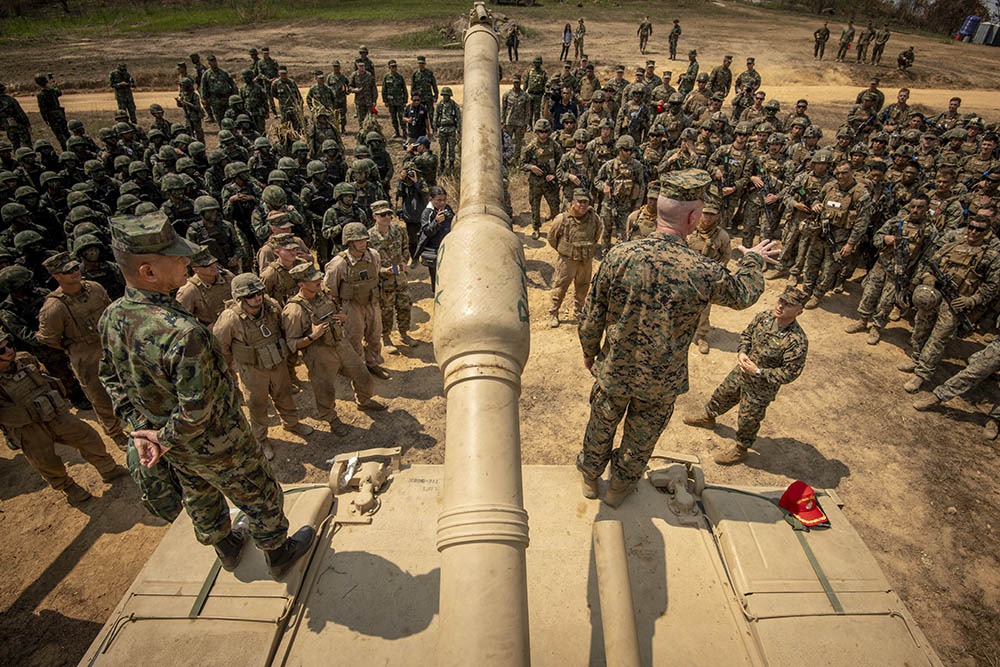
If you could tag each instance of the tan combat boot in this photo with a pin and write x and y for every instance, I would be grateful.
(856, 327)
(731, 456)
(300, 429)
(813, 302)
(617, 492)
(371, 405)
(774, 274)
(874, 335)
(590, 487)
(926, 402)
(913, 385)
(554, 320)
(990, 429)
(121, 441)
(701, 421)
(703, 346)
(408, 339)
(265, 446)
(908, 365)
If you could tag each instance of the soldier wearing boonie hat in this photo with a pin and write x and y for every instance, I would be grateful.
(171, 381)
(636, 349)
(574, 235)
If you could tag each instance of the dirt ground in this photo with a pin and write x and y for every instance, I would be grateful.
(921, 488)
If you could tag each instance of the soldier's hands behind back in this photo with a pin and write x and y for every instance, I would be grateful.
(767, 249)
(147, 444)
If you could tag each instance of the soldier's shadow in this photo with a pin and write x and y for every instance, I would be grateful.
(723, 340)
(792, 458)
(18, 478)
(543, 270)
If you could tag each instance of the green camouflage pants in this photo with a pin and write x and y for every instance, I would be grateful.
(613, 220)
(448, 142)
(878, 296)
(824, 263)
(161, 491)
(753, 401)
(931, 334)
(535, 194)
(644, 422)
(673, 48)
(982, 365)
(536, 106)
(245, 478)
(18, 136)
(396, 116)
(395, 301)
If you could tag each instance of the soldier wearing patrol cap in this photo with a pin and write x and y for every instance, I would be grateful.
(772, 353)
(574, 235)
(313, 323)
(636, 349)
(389, 238)
(67, 321)
(253, 342)
(166, 375)
(205, 293)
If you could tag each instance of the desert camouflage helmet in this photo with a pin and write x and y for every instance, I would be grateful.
(580, 136)
(246, 284)
(354, 231)
(822, 156)
(542, 125)
(925, 298)
(625, 143)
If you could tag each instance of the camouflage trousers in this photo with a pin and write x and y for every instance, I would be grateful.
(571, 272)
(362, 109)
(263, 387)
(728, 213)
(37, 441)
(396, 116)
(218, 108)
(932, 331)
(395, 301)
(644, 422)
(324, 363)
(842, 51)
(85, 367)
(18, 136)
(57, 123)
(195, 129)
(245, 478)
(162, 494)
(291, 114)
(448, 143)
(128, 106)
(752, 212)
(863, 52)
(878, 296)
(796, 239)
(824, 264)
(613, 220)
(535, 101)
(981, 365)
(753, 400)
(673, 48)
(877, 53)
(517, 136)
(535, 194)
(819, 49)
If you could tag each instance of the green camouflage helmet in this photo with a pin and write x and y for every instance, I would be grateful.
(196, 148)
(185, 163)
(25, 192)
(172, 182)
(126, 203)
(277, 176)
(315, 168)
(274, 196)
(246, 284)
(353, 231)
(299, 146)
(92, 167)
(205, 203)
(13, 211)
(343, 189)
(26, 238)
(288, 163)
(374, 137)
(48, 176)
(122, 162)
(166, 154)
(235, 99)
(625, 143)
(446, 92)
(76, 198)
(226, 137)
(137, 167)
(214, 157)
(186, 179)
(261, 142)
(146, 207)
(81, 214)
(15, 277)
(772, 105)
(234, 169)
(85, 241)
(130, 188)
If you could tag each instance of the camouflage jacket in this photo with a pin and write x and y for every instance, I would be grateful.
(11, 113)
(164, 370)
(338, 84)
(423, 82)
(123, 93)
(287, 93)
(365, 83)
(320, 97)
(447, 117)
(191, 103)
(643, 308)
(516, 109)
(48, 102)
(627, 181)
(544, 156)
(255, 99)
(393, 248)
(394, 90)
(535, 81)
(217, 85)
(779, 352)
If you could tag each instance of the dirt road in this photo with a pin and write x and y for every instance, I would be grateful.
(921, 488)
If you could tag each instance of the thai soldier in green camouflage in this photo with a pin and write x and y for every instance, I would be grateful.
(673, 38)
(289, 99)
(395, 96)
(388, 237)
(266, 71)
(578, 36)
(863, 41)
(448, 121)
(123, 83)
(320, 96)
(535, 84)
(13, 120)
(541, 158)
(50, 109)
(623, 183)
(691, 76)
(339, 84)
(87, 248)
(771, 353)
(881, 38)
(216, 87)
(636, 348)
(422, 81)
(190, 102)
(343, 211)
(515, 114)
(255, 99)
(365, 93)
(846, 37)
(320, 131)
(168, 379)
(363, 58)
(644, 32)
(820, 38)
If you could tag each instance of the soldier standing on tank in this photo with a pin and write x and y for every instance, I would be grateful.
(34, 417)
(174, 388)
(540, 160)
(820, 38)
(123, 83)
(389, 238)
(771, 353)
(636, 349)
(395, 96)
(574, 235)
(673, 38)
(67, 321)
(253, 342)
(351, 280)
(448, 121)
(50, 109)
(205, 293)
(216, 87)
(313, 323)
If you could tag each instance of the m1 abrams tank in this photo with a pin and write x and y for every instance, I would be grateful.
(683, 573)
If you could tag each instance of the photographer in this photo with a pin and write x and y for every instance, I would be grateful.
(411, 200)
(435, 223)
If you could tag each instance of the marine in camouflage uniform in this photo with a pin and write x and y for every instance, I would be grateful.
(536, 85)
(388, 237)
(216, 87)
(168, 379)
(746, 86)
(800, 226)
(13, 120)
(762, 204)
(448, 122)
(362, 84)
(576, 168)
(771, 353)
(574, 236)
(734, 167)
(636, 349)
(205, 293)
(541, 158)
(712, 241)
(642, 221)
(673, 38)
(190, 102)
(623, 183)
(255, 99)
(395, 97)
(339, 84)
(51, 110)
(691, 76)
(515, 114)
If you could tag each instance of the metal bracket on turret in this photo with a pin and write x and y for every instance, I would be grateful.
(366, 473)
(683, 481)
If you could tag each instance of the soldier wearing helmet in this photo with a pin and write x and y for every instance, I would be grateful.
(140, 174)
(106, 189)
(179, 208)
(87, 249)
(541, 159)
(275, 198)
(253, 342)
(622, 181)
(320, 130)
(215, 234)
(240, 196)
(16, 219)
(344, 210)
(576, 168)
(736, 170)
(799, 229)
(448, 122)
(352, 280)
(279, 223)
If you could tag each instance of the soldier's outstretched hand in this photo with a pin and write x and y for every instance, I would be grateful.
(766, 248)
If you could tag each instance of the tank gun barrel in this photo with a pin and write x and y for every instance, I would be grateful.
(481, 343)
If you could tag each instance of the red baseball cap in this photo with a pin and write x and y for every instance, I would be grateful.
(799, 500)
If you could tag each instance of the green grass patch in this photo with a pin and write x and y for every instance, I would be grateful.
(430, 38)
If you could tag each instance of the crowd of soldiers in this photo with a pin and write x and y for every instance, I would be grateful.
(303, 255)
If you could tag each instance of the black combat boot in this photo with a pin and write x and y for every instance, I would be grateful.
(230, 549)
(282, 558)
